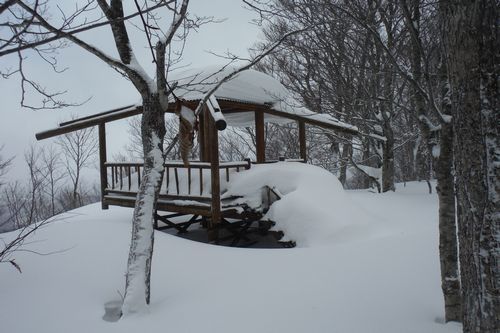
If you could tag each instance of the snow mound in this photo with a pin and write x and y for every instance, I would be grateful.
(314, 208)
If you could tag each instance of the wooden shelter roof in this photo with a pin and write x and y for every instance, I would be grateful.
(230, 109)
(240, 98)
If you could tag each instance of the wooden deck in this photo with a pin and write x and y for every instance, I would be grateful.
(186, 198)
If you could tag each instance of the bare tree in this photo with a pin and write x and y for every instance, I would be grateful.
(383, 76)
(343, 74)
(4, 165)
(4, 168)
(79, 149)
(32, 158)
(51, 165)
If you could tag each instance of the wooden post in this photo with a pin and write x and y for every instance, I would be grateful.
(214, 162)
(102, 161)
(202, 137)
(260, 144)
(207, 126)
(302, 140)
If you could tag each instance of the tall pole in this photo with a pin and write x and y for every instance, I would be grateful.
(259, 137)
(102, 163)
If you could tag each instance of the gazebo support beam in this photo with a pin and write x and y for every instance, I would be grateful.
(213, 135)
(302, 140)
(260, 144)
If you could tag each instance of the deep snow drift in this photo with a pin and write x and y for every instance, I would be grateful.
(369, 263)
(314, 209)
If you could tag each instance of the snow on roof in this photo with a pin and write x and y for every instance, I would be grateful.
(249, 86)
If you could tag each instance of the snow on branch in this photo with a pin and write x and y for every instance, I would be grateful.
(135, 76)
(34, 44)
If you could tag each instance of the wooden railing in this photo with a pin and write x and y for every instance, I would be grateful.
(178, 180)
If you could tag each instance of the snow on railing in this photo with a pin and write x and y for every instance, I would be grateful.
(178, 180)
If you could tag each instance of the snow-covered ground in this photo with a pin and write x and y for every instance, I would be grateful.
(375, 270)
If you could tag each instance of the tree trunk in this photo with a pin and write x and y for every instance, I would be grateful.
(346, 157)
(366, 181)
(137, 287)
(387, 107)
(388, 160)
(448, 248)
(450, 280)
(423, 156)
(472, 42)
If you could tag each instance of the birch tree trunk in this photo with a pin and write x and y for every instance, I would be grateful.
(472, 41)
(137, 286)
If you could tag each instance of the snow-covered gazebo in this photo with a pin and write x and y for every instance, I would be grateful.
(251, 98)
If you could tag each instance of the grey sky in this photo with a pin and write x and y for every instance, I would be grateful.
(87, 76)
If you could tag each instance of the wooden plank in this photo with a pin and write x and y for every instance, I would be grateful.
(121, 177)
(227, 106)
(161, 205)
(201, 181)
(102, 163)
(129, 174)
(79, 124)
(131, 164)
(133, 194)
(167, 171)
(315, 122)
(194, 210)
(189, 180)
(138, 176)
(260, 144)
(236, 107)
(302, 140)
(96, 115)
(176, 174)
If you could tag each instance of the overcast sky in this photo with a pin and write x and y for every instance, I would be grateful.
(87, 77)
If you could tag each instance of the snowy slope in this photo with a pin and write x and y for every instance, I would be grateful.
(382, 279)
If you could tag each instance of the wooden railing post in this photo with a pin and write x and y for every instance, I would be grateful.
(102, 163)
(260, 144)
